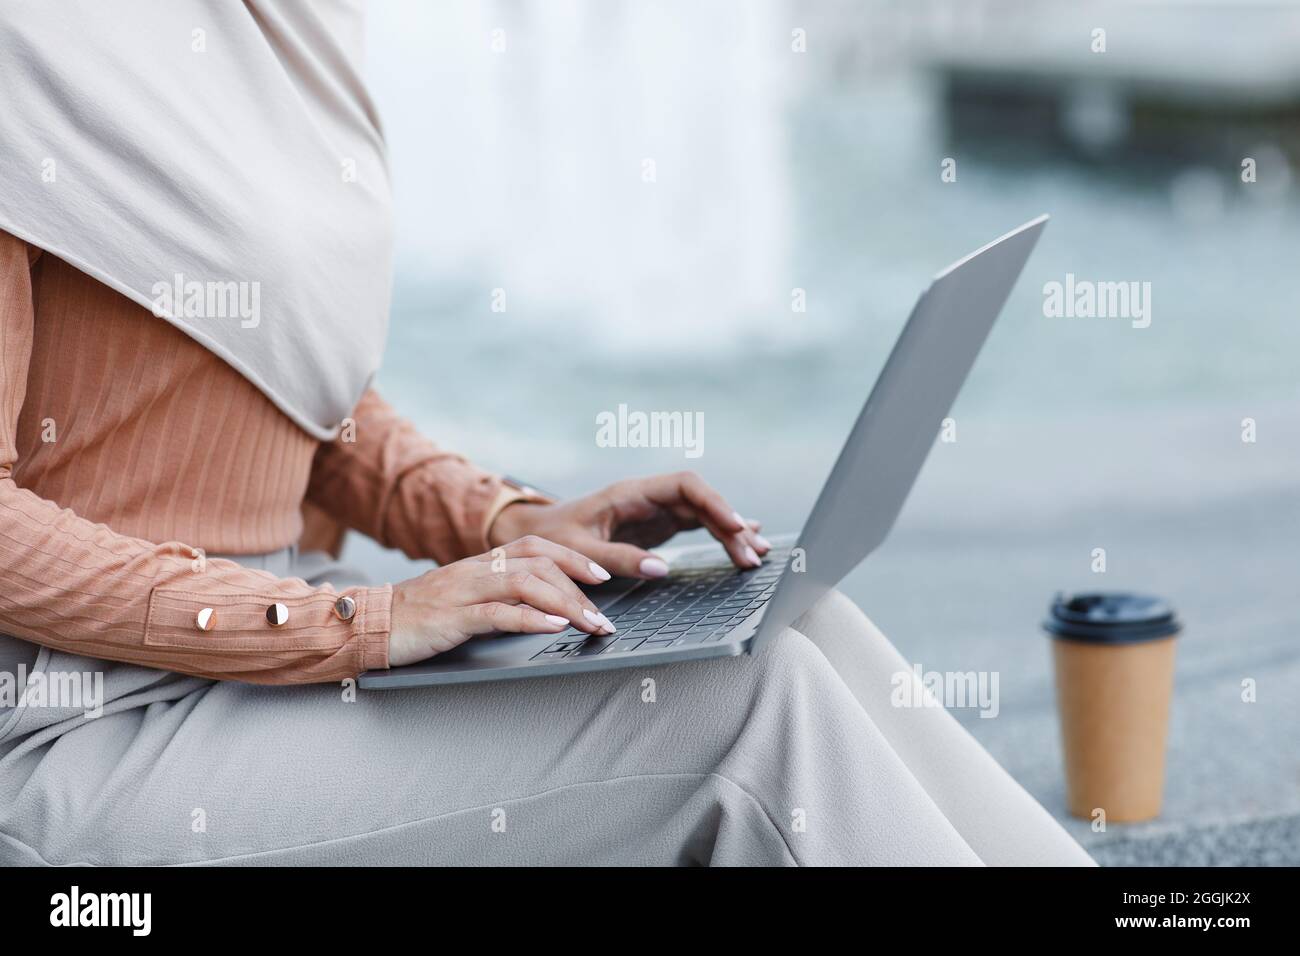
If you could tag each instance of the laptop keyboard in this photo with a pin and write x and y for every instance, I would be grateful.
(691, 606)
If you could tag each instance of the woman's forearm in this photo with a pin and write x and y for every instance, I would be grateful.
(383, 478)
(76, 586)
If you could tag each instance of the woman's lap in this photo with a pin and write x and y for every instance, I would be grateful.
(770, 759)
(1001, 822)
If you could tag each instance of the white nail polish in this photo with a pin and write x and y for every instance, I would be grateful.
(743, 523)
(557, 620)
(752, 556)
(654, 567)
(763, 542)
(598, 571)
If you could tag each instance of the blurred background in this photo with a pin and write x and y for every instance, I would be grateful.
(643, 186)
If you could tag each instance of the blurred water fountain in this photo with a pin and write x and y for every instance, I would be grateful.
(526, 121)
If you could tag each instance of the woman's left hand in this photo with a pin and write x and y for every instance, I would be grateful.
(615, 526)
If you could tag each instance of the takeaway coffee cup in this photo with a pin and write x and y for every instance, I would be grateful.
(1114, 662)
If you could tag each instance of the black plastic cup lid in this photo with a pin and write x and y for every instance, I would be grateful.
(1111, 617)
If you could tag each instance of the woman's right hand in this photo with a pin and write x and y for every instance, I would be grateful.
(526, 586)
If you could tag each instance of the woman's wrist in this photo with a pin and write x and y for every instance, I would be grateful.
(512, 521)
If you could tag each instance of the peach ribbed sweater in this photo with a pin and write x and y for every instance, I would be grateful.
(125, 446)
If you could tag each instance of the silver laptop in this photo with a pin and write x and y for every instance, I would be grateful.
(708, 608)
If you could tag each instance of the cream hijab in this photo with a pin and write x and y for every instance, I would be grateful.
(218, 163)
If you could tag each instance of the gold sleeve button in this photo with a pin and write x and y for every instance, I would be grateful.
(277, 614)
(206, 619)
(345, 608)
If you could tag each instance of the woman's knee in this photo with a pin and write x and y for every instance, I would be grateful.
(835, 614)
(863, 658)
(793, 663)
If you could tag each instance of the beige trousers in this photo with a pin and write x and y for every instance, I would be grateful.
(794, 756)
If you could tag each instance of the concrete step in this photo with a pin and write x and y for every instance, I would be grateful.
(1271, 842)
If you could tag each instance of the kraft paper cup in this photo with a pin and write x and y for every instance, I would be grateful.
(1114, 662)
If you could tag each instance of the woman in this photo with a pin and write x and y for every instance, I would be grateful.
(193, 290)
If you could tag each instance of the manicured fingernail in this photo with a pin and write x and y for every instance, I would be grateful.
(763, 542)
(752, 556)
(739, 520)
(598, 571)
(601, 621)
(654, 567)
(557, 620)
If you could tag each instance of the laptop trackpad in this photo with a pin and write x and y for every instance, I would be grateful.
(495, 650)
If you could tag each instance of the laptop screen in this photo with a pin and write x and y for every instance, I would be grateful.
(899, 423)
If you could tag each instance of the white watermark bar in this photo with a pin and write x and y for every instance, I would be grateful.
(75, 690)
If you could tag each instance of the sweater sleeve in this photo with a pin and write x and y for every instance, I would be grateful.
(383, 478)
(80, 587)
